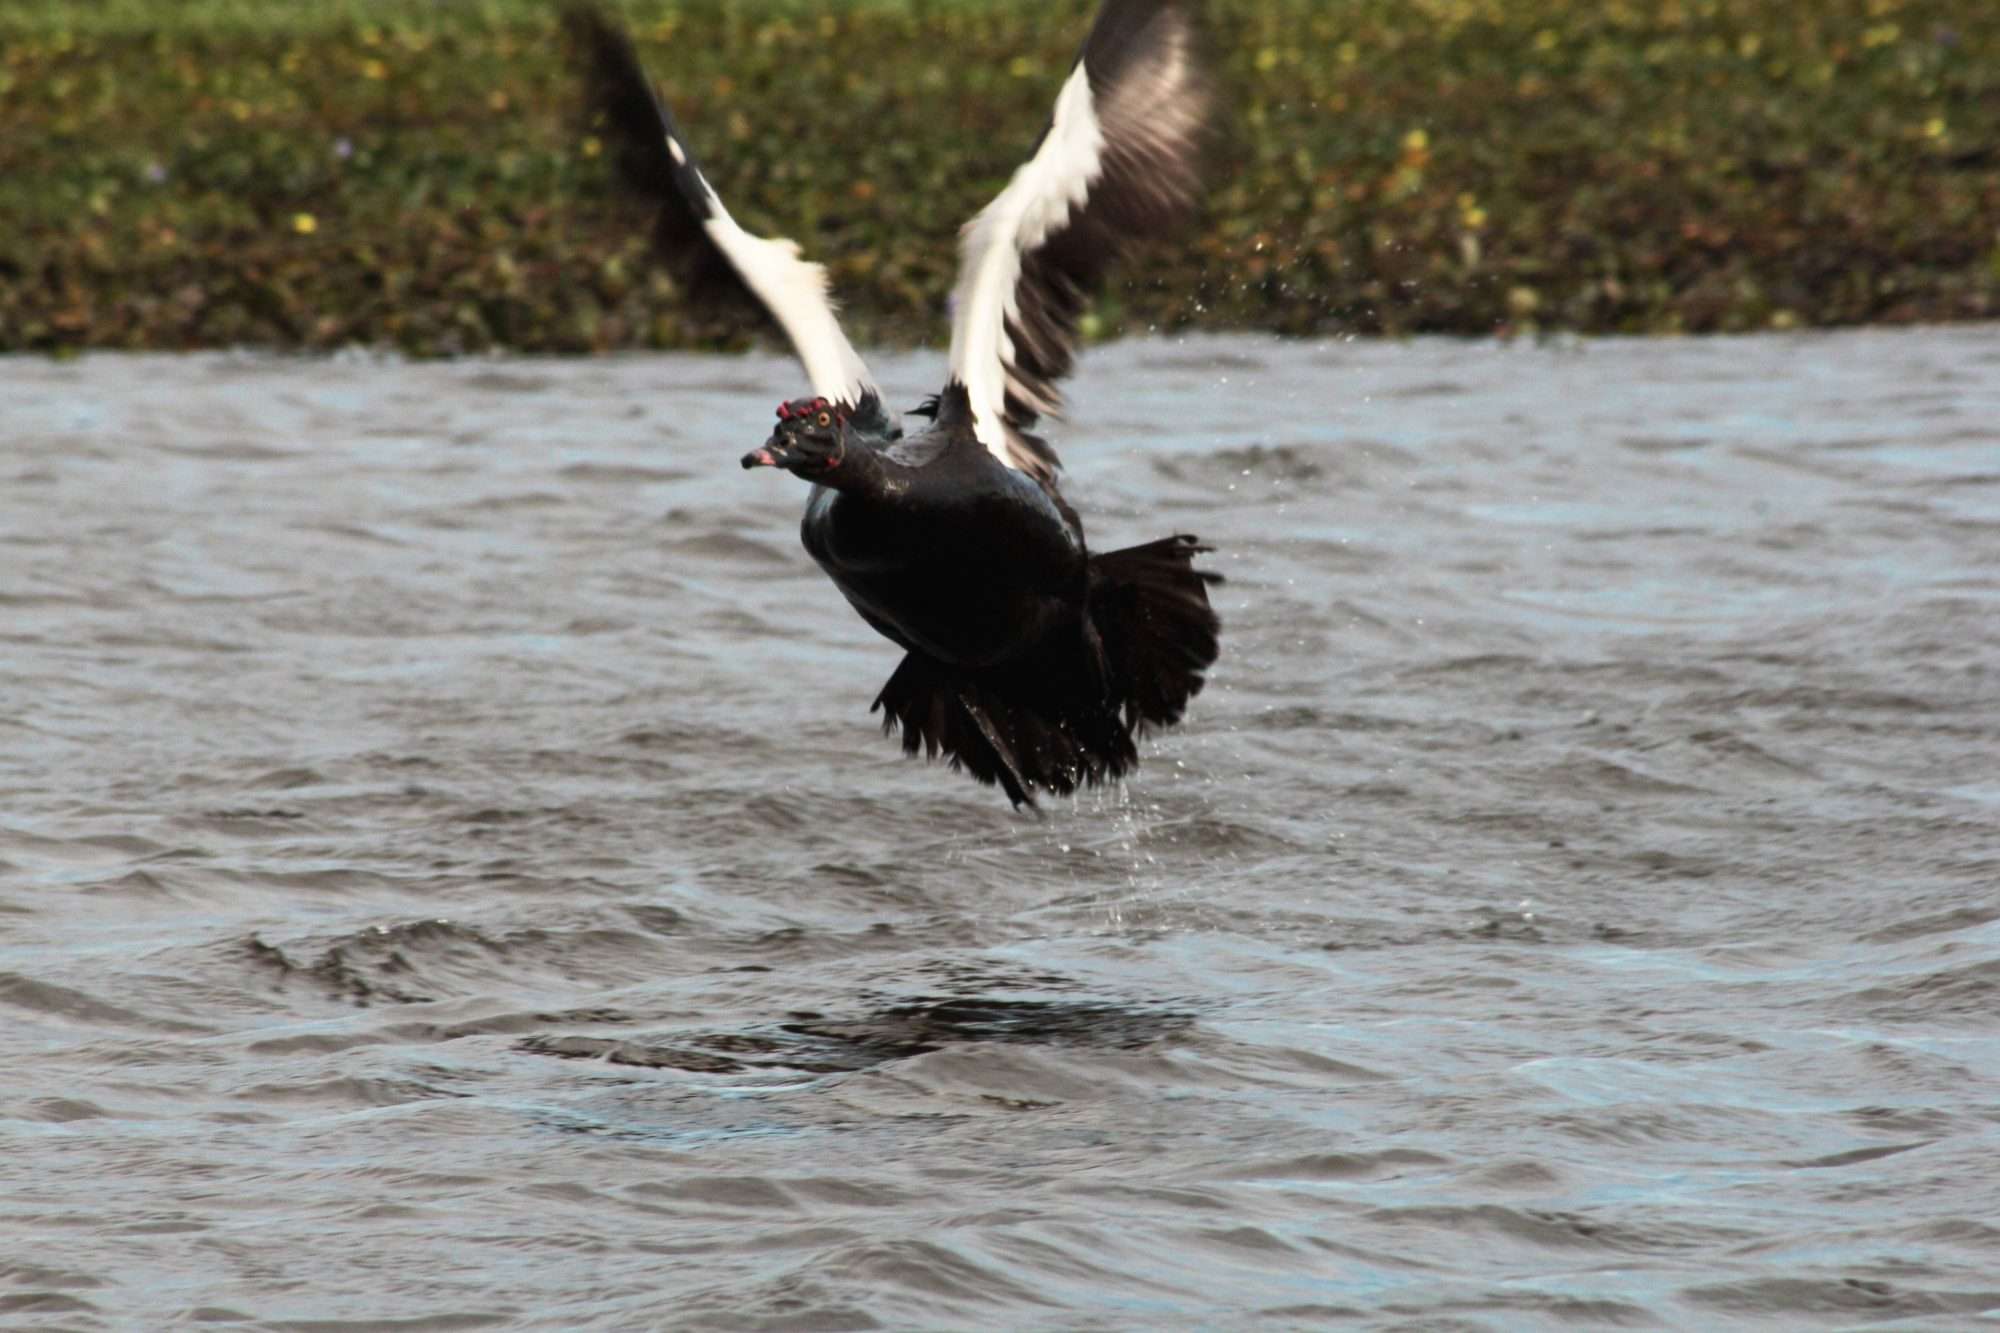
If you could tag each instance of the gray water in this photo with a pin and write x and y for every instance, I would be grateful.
(449, 877)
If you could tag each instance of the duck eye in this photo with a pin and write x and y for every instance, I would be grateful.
(823, 420)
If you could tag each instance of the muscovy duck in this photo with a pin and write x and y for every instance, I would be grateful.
(1030, 661)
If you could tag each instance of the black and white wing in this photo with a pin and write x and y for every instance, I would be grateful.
(1118, 161)
(695, 230)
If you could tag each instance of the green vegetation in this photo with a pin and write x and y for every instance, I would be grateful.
(188, 173)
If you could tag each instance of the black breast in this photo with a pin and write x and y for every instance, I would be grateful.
(954, 555)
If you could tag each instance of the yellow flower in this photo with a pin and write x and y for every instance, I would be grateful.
(374, 69)
(592, 145)
(1934, 128)
(305, 224)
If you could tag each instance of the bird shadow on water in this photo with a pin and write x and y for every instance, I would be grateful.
(743, 1083)
(889, 1027)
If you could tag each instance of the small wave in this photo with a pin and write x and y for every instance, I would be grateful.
(1845, 1298)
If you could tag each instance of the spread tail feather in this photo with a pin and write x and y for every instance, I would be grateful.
(1065, 716)
(1160, 635)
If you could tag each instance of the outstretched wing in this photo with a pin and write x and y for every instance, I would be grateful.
(694, 229)
(1118, 161)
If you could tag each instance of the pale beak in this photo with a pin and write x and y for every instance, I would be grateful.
(775, 453)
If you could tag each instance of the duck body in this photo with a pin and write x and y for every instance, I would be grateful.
(1030, 661)
(947, 551)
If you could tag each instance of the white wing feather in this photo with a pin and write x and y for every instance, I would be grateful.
(797, 295)
(692, 218)
(1039, 199)
(1118, 161)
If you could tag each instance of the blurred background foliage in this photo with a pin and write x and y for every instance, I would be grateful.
(184, 173)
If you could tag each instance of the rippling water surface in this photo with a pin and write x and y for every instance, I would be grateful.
(449, 878)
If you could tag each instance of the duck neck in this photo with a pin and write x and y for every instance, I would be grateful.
(859, 470)
(864, 470)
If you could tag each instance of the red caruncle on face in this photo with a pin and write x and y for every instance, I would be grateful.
(800, 409)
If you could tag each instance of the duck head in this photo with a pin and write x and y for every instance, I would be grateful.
(810, 439)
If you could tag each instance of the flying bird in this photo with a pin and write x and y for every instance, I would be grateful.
(1030, 661)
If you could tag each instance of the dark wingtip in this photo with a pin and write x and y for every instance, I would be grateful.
(581, 22)
(619, 100)
(640, 139)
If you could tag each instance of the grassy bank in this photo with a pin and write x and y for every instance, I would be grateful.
(269, 172)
